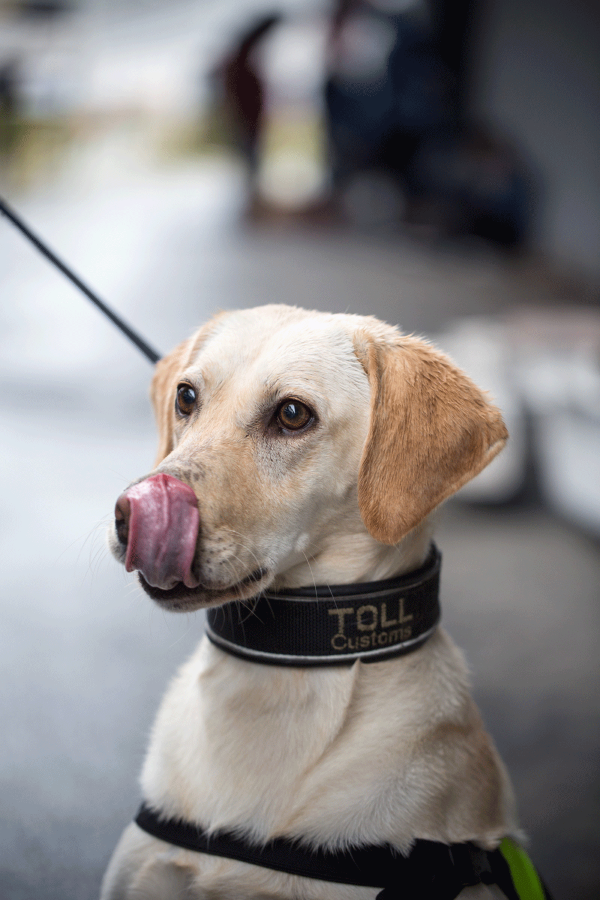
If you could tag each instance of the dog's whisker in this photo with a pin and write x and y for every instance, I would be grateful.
(184, 634)
(82, 539)
(246, 548)
(311, 572)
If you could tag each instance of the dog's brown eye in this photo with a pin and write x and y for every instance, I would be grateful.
(293, 415)
(186, 399)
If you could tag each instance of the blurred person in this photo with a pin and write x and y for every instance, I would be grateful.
(497, 193)
(9, 103)
(473, 181)
(400, 147)
(242, 86)
(385, 90)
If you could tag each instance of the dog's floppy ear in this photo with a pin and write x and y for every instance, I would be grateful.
(162, 394)
(431, 431)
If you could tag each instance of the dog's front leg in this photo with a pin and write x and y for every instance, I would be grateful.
(143, 867)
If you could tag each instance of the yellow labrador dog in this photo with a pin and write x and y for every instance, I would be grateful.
(301, 455)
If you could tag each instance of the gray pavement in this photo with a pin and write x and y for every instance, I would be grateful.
(84, 656)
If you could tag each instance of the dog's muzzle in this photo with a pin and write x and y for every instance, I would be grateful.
(157, 521)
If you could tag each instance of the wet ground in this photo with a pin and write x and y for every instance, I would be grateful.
(84, 656)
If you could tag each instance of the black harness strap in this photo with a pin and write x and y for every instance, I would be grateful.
(433, 870)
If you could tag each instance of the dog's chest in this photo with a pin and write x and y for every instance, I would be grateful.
(328, 753)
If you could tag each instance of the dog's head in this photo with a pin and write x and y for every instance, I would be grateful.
(283, 431)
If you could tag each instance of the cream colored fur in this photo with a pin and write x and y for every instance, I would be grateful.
(383, 752)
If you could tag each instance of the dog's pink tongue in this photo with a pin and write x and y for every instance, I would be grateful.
(163, 529)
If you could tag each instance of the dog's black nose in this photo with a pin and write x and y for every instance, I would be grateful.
(122, 515)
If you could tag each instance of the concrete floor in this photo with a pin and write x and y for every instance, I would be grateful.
(84, 656)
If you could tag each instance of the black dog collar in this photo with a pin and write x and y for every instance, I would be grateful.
(333, 624)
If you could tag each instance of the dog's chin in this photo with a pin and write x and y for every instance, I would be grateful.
(184, 599)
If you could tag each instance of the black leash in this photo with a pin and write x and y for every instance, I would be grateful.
(151, 354)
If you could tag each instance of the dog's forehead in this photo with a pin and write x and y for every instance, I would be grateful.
(275, 345)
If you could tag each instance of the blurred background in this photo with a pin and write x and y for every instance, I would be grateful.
(430, 162)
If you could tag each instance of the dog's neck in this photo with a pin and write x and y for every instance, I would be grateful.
(354, 556)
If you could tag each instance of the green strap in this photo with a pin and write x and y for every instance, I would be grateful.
(524, 876)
